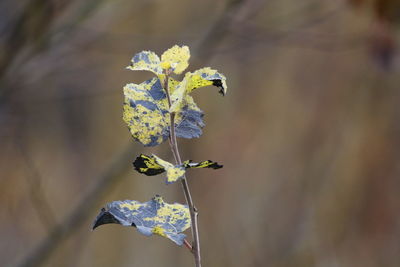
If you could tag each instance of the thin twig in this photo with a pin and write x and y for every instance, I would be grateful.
(175, 151)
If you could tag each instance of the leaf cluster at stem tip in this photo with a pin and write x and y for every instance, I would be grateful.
(146, 106)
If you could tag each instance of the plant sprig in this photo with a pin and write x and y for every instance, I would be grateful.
(156, 110)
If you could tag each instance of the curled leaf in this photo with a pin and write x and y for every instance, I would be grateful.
(208, 74)
(200, 78)
(176, 58)
(152, 217)
(147, 116)
(148, 165)
(153, 165)
(146, 60)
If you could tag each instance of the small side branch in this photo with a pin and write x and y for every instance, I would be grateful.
(188, 245)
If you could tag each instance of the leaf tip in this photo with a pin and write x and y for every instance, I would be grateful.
(104, 217)
(218, 83)
(216, 166)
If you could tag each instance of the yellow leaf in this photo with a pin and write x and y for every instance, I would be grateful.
(200, 78)
(209, 74)
(176, 58)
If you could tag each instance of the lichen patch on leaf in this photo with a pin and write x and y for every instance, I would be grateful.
(200, 78)
(152, 217)
(144, 109)
(147, 116)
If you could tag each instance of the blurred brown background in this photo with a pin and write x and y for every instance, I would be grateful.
(308, 132)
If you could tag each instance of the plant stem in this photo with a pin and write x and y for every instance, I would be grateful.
(175, 151)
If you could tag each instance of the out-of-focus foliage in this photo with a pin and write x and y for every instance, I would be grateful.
(152, 217)
(386, 21)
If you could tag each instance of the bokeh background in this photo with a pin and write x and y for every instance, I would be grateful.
(308, 132)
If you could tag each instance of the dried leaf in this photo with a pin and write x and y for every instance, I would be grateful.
(203, 164)
(153, 165)
(152, 217)
(148, 165)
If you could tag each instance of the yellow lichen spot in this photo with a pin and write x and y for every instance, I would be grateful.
(159, 231)
(176, 58)
(196, 81)
(172, 84)
(173, 172)
(131, 206)
(151, 163)
(158, 199)
(165, 65)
